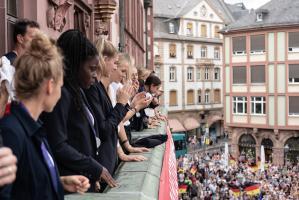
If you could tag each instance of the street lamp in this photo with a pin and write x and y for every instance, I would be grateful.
(286, 150)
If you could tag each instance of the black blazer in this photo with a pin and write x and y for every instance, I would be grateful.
(72, 139)
(108, 119)
(24, 136)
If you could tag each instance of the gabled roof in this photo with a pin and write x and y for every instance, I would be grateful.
(276, 13)
(179, 8)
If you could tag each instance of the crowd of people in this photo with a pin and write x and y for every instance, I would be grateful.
(68, 107)
(206, 176)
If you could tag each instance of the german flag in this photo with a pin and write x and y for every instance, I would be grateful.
(252, 190)
(232, 160)
(193, 170)
(183, 189)
(236, 192)
(254, 168)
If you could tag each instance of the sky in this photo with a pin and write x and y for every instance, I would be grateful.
(249, 3)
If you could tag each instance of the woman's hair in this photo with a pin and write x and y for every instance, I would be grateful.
(105, 48)
(152, 80)
(124, 58)
(77, 49)
(143, 73)
(42, 60)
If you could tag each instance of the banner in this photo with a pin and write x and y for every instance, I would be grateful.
(168, 188)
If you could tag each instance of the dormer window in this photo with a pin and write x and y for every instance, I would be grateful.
(259, 17)
(171, 27)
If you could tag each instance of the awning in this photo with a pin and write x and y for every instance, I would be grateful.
(191, 123)
(175, 126)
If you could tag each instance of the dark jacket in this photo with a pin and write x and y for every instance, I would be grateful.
(24, 136)
(72, 139)
(108, 119)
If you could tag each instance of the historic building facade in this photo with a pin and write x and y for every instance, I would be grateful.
(123, 22)
(188, 59)
(261, 82)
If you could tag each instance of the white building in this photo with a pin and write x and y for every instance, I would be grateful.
(188, 59)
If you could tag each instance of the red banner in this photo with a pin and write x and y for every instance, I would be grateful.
(168, 189)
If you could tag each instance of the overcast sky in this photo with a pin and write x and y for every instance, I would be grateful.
(249, 3)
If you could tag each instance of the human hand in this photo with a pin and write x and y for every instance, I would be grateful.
(124, 94)
(8, 167)
(137, 149)
(106, 176)
(140, 101)
(75, 183)
(133, 158)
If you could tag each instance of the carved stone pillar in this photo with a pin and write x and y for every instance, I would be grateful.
(103, 11)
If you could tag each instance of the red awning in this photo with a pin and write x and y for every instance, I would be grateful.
(191, 123)
(176, 126)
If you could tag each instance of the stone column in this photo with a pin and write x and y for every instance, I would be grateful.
(278, 156)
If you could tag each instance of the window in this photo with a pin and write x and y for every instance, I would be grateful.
(190, 74)
(207, 96)
(190, 51)
(190, 97)
(257, 44)
(294, 42)
(206, 73)
(203, 52)
(173, 98)
(11, 18)
(217, 97)
(258, 105)
(239, 75)
(257, 74)
(239, 45)
(158, 71)
(198, 74)
(216, 53)
(294, 73)
(239, 105)
(172, 74)
(189, 28)
(217, 73)
(217, 35)
(259, 17)
(203, 30)
(172, 50)
(294, 105)
(199, 96)
(171, 27)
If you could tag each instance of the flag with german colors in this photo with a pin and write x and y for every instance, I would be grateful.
(183, 189)
(252, 190)
(236, 192)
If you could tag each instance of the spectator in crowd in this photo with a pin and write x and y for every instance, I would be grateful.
(23, 32)
(38, 81)
(72, 128)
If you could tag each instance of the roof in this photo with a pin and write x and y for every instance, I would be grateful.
(277, 13)
(178, 8)
(237, 10)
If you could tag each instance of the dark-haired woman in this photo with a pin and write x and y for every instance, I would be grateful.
(38, 80)
(72, 129)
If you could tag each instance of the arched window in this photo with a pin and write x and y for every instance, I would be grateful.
(173, 98)
(190, 97)
(217, 73)
(216, 53)
(203, 52)
(172, 73)
(203, 30)
(207, 96)
(189, 28)
(217, 96)
(171, 27)
(190, 51)
(247, 146)
(217, 35)
(199, 96)
(190, 74)
(206, 73)
(172, 50)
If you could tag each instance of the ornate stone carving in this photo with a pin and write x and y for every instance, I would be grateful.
(56, 13)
